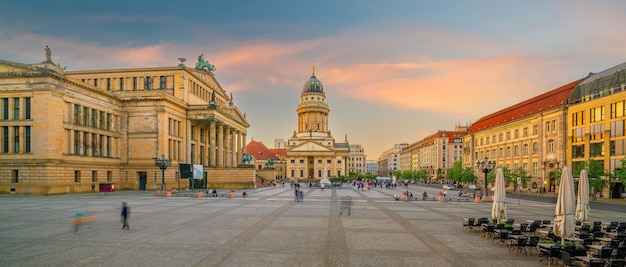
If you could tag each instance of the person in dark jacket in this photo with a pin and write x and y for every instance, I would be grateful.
(125, 214)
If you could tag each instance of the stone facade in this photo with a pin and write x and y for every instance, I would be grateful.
(62, 131)
(312, 153)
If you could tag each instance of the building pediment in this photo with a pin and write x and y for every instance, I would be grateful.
(310, 146)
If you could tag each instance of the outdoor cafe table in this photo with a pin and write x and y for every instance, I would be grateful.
(586, 259)
(543, 233)
(604, 240)
(574, 240)
(596, 248)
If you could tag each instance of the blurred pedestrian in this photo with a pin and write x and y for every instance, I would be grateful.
(80, 217)
(124, 215)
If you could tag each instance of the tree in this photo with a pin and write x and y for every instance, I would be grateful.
(555, 176)
(421, 175)
(456, 172)
(596, 173)
(491, 177)
(522, 174)
(621, 172)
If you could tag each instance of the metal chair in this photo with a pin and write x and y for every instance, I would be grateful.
(551, 254)
(532, 243)
(519, 244)
(567, 260)
(501, 238)
(616, 263)
(620, 253)
(596, 263)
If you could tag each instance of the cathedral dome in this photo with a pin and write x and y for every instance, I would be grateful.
(313, 85)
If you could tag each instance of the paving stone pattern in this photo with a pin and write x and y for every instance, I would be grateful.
(268, 228)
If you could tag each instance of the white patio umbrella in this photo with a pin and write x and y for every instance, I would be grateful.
(582, 201)
(498, 210)
(564, 224)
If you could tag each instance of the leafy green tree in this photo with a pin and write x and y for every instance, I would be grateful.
(456, 172)
(421, 175)
(555, 176)
(596, 173)
(508, 178)
(522, 174)
(621, 172)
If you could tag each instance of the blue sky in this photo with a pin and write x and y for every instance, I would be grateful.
(393, 71)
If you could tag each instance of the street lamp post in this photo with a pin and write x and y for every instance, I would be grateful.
(162, 163)
(485, 166)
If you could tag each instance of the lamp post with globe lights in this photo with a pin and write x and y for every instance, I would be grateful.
(162, 163)
(485, 166)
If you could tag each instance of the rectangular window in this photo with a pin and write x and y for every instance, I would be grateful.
(94, 144)
(77, 176)
(525, 132)
(27, 139)
(16, 108)
(535, 129)
(15, 176)
(108, 147)
(94, 176)
(596, 149)
(95, 82)
(16, 138)
(108, 122)
(27, 108)
(293, 161)
(319, 173)
(101, 121)
(147, 83)
(76, 143)
(122, 84)
(108, 84)
(109, 176)
(134, 83)
(85, 115)
(301, 161)
(292, 173)
(5, 139)
(193, 132)
(162, 78)
(617, 109)
(617, 128)
(535, 167)
(5, 108)
(85, 144)
(76, 113)
(328, 161)
(301, 173)
(93, 118)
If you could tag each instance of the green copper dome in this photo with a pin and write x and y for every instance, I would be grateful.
(313, 85)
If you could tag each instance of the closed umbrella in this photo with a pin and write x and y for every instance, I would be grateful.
(498, 210)
(564, 224)
(582, 202)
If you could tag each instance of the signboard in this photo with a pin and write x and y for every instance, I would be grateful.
(197, 171)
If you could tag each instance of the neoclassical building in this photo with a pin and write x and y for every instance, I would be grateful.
(530, 135)
(312, 153)
(63, 131)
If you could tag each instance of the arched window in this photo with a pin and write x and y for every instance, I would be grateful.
(535, 148)
(525, 150)
(551, 145)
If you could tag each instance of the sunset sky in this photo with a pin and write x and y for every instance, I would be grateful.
(393, 71)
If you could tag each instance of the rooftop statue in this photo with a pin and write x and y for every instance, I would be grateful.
(203, 64)
(48, 54)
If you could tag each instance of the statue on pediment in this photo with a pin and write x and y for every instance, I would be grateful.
(203, 64)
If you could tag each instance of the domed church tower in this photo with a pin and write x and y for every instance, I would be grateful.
(313, 109)
(312, 154)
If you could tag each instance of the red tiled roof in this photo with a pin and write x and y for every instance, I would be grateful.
(259, 151)
(279, 152)
(550, 100)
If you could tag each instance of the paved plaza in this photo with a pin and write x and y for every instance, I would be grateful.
(268, 228)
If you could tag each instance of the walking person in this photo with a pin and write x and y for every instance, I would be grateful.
(124, 215)
(80, 217)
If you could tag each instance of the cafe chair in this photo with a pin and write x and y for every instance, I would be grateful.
(616, 263)
(532, 243)
(567, 260)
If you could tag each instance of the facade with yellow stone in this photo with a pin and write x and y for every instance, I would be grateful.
(312, 153)
(530, 135)
(64, 131)
(597, 114)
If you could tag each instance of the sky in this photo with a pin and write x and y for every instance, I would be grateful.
(393, 71)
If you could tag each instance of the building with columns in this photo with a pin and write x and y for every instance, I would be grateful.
(312, 153)
(63, 131)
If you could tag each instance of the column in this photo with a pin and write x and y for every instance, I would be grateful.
(212, 146)
(228, 157)
(241, 144)
(220, 145)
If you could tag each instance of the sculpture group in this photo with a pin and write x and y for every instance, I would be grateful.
(203, 64)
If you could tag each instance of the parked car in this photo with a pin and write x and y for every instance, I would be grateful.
(448, 187)
(473, 187)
